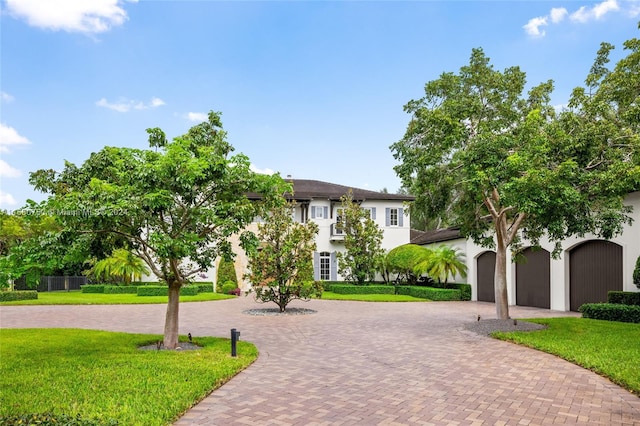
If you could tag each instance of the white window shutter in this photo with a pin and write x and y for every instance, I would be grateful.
(334, 267)
(400, 216)
(316, 266)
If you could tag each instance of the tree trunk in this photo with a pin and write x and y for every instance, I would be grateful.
(500, 281)
(171, 320)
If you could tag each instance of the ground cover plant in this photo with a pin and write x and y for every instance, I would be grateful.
(79, 298)
(327, 295)
(104, 376)
(611, 349)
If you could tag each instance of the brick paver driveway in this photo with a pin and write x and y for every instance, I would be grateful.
(357, 363)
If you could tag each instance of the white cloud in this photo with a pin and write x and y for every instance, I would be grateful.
(197, 116)
(9, 136)
(255, 169)
(125, 105)
(558, 14)
(6, 97)
(85, 16)
(7, 171)
(585, 14)
(533, 26)
(7, 199)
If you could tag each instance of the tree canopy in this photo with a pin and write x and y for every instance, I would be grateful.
(505, 165)
(176, 205)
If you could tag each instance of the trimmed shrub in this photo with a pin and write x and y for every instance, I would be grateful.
(236, 291)
(139, 283)
(436, 294)
(92, 288)
(465, 290)
(49, 419)
(624, 297)
(203, 287)
(120, 289)
(226, 273)
(611, 312)
(150, 290)
(228, 287)
(404, 290)
(361, 289)
(12, 296)
(636, 273)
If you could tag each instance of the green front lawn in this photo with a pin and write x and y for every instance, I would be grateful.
(327, 295)
(611, 349)
(78, 298)
(102, 375)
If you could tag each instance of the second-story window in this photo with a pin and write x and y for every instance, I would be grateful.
(393, 217)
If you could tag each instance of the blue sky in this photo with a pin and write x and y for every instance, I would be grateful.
(310, 89)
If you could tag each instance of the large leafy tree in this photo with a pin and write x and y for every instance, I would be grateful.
(505, 165)
(362, 242)
(282, 269)
(175, 205)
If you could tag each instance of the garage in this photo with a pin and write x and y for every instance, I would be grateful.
(533, 282)
(595, 269)
(486, 267)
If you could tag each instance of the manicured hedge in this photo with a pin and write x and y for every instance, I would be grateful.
(465, 290)
(437, 294)
(611, 312)
(624, 297)
(11, 296)
(361, 289)
(120, 289)
(203, 287)
(150, 290)
(92, 288)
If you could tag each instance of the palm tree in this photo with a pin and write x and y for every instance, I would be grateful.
(445, 262)
(122, 264)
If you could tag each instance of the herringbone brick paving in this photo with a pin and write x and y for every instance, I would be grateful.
(354, 363)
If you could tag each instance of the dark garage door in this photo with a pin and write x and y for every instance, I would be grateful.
(595, 269)
(533, 283)
(486, 263)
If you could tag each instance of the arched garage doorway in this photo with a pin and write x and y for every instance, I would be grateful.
(595, 269)
(533, 282)
(486, 267)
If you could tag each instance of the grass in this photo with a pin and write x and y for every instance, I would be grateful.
(79, 298)
(611, 349)
(102, 375)
(327, 295)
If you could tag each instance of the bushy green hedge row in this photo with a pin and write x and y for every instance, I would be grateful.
(203, 287)
(611, 312)
(437, 294)
(465, 290)
(624, 297)
(431, 293)
(361, 289)
(92, 288)
(48, 419)
(120, 289)
(11, 296)
(157, 290)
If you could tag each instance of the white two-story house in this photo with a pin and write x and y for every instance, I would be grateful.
(320, 202)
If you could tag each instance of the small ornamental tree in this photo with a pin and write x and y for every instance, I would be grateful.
(175, 205)
(443, 262)
(122, 265)
(636, 273)
(408, 261)
(281, 269)
(226, 274)
(362, 241)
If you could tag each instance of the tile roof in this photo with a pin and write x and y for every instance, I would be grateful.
(307, 190)
(434, 236)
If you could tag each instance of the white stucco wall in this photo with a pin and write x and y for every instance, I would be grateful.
(629, 240)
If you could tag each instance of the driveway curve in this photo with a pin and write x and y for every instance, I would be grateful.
(356, 363)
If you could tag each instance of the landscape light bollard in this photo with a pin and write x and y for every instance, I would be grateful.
(235, 336)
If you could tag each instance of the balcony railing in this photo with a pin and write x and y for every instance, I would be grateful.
(337, 233)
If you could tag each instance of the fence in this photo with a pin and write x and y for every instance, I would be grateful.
(51, 283)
